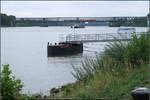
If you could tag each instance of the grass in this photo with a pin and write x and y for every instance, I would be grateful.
(120, 87)
(109, 86)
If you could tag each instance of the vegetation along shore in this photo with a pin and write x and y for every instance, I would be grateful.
(7, 21)
(120, 68)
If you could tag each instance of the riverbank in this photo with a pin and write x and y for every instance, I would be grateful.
(106, 85)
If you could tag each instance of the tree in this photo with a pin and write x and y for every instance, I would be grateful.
(10, 86)
(6, 20)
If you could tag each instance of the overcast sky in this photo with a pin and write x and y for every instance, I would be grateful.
(75, 8)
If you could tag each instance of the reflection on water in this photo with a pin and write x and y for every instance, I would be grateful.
(24, 48)
(65, 59)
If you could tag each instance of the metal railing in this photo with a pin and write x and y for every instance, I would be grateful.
(103, 37)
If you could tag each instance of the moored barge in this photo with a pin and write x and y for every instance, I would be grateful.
(64, 48)
(77, 26)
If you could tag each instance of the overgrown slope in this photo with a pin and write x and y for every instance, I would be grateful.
(114, 73)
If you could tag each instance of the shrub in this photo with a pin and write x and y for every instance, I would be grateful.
(10, 86)
(137, 49)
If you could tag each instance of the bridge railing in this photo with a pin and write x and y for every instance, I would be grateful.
(96, 37)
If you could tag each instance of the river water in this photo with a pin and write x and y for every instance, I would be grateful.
(25, 50)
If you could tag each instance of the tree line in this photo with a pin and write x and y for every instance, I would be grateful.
(7, 20)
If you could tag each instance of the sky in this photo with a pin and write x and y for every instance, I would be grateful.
(75, 8)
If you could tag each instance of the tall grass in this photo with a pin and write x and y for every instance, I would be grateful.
(116, 50)
(111, 58)
(109, 85)
(116, 57)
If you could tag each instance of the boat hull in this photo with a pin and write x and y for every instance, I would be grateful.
(64, 49)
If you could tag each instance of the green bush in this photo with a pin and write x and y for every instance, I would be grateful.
(137, 50)
(10, 86)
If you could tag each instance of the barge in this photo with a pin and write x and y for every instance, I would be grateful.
(43, 25)
(64, 48)
(77, 26)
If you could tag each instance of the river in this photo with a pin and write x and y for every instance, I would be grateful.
(25, 50)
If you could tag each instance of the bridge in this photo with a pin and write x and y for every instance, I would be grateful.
(102, 37)
(92, 21)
